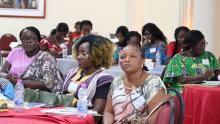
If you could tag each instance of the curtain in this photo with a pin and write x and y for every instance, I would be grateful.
(186, 13)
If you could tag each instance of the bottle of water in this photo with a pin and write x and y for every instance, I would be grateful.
(19, 96)
(64, 52)
(82, 103)
(158, 59)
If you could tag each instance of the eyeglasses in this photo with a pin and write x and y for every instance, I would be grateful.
(203, 44)
(25, 39)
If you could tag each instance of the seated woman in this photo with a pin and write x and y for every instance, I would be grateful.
(92, 54)
(133, 37)
(135, 91)
(86, 27)
(177, 45)
(77, 33)
(154, 40)
(36, 68)
(194, 65)
(55, 43)
(121, 33)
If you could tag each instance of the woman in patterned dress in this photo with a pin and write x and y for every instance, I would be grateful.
(135, 92)
(36, 68)
(194, 65)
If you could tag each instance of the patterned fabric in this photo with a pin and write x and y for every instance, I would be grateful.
(151, 49)
(127, 105)
(51, 47)
(3, 83)
(44, 68)
(97, 79)
(187, 66)
(6, 88)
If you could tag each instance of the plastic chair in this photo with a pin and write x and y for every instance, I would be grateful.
(5, 41)
(172, 111)
(179, 104)
(166, 114)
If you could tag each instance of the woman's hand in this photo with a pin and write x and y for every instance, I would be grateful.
(208, 74)
(12, 78)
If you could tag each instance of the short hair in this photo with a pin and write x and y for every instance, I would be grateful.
(62, 27)
(77, 23)
(132, 34)
(100, 50)
(123, 30)
(85, 22)
(34, 30)
(154, 30)
(192, 38)
(53, 31)
(179, 29)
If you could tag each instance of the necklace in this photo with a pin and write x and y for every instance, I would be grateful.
(132, 86)
(128, 88)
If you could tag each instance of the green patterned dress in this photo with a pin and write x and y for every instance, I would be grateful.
(181, 65)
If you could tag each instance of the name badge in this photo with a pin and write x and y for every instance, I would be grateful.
(153, 50)
(139, 102)
(72, 87)
(205, 61)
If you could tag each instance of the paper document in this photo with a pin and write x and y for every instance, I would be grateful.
(66, 111)
(212, 83)
(2, 97)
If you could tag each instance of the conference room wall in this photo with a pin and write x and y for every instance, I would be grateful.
(106, 15)
(206, 19)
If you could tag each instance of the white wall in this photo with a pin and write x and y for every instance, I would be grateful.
(164, 13)
(216, 40)
(106, 15)
(206, 19)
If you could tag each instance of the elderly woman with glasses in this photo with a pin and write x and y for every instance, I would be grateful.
(194, 64)
(36, 68)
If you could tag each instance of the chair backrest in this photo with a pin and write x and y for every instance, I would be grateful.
(179, 104)
(5, 41)
(166, 114)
